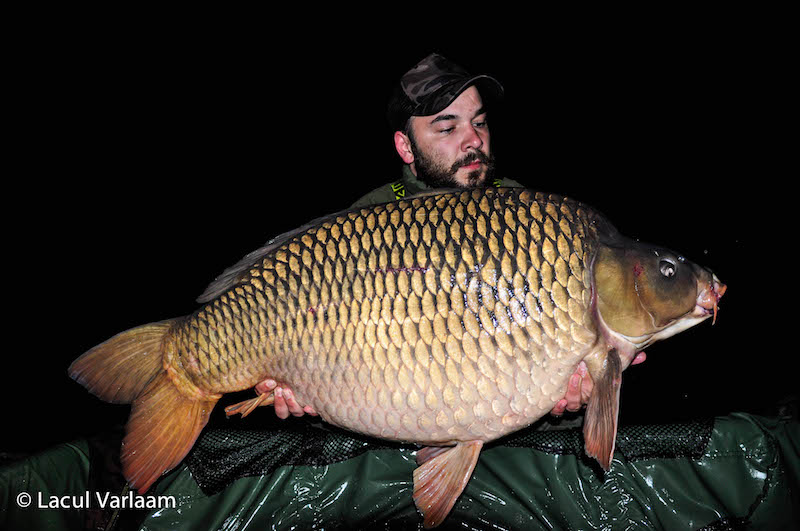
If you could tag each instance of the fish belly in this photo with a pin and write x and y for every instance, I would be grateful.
(395, 395)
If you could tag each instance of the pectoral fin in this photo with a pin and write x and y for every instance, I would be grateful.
(600, 424)
(441, 479)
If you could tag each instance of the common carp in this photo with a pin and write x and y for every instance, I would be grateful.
(448, 319)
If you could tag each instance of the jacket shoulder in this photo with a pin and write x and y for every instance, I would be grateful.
(383, 194)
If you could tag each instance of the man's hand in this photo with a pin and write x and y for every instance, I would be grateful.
(579, 388)
(285, 403)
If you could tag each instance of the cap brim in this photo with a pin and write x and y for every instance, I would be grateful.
(488, 86)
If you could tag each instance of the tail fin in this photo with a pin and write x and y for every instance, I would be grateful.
(119, 369)
(162, 428)
(164, 422)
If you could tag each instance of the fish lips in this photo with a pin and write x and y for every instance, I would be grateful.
(708, 298)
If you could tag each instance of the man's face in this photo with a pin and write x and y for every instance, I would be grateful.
(451, 148)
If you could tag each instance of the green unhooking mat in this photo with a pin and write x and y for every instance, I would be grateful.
(735, 472)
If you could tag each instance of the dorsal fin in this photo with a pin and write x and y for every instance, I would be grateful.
(231, 276)
(234, 274)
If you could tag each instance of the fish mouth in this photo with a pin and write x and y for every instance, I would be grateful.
(708, 298)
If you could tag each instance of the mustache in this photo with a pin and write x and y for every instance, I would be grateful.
(469, 159)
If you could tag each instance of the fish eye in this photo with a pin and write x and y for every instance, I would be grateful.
(667, 268)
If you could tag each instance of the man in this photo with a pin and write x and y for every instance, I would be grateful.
(438, 115)
(441, 133)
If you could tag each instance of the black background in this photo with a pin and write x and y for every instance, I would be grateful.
(144, 161)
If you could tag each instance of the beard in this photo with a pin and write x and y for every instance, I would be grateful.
(437, 175)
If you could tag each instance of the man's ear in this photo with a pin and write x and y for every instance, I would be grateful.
(403, 146)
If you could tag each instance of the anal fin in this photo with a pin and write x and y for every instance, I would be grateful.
(602, 413)
(441, 479)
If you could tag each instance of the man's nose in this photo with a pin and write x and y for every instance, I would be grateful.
(471, 140)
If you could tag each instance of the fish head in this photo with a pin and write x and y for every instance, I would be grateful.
(646, 293)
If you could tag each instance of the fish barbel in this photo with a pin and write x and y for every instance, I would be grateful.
(448, 319)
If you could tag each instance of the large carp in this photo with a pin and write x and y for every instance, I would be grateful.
(448, 320)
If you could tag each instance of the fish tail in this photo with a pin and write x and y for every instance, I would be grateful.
(168, 411)
(119, 369)
(162, 428)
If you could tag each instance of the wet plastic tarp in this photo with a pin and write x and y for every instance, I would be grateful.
(744, 474)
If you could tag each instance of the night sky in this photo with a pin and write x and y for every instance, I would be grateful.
(148, 167)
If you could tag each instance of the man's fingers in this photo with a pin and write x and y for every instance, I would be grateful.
(285, 403)
(281, 409)
(292, 405)
(559, 408)
(265, 387)
(580, 386)
(573, 395)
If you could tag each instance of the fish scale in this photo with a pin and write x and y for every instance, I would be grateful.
(451, 318)
(415, 310)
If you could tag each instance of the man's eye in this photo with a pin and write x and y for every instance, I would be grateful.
(447, 131)
(479, 124)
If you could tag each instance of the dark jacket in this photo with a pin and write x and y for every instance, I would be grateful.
(407, 186)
